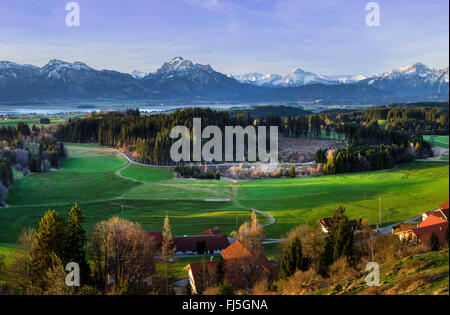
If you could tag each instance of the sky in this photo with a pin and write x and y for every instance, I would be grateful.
(233, 36)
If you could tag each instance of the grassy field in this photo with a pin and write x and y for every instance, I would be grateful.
(30, 122)
(103, 185)
(439, 141)
(405, 191)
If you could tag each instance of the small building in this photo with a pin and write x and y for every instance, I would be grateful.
(325, 224)
(213, 244)
(422, 234)
(441, 212)
(194, 272)
(432, 219)
(234, 260)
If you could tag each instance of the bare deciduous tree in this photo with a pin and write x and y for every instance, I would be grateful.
(123, 254)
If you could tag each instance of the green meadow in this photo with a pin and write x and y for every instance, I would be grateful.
(104, 185)
(30, 122)
(439, 141)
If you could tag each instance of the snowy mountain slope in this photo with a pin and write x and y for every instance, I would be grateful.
(180, 79)
(415, 79)
(295, 78)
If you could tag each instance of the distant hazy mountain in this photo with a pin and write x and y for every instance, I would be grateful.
(416, 79)
(295, 78)
(344, 78)
(59, 79)
(258, 79)
(182, 80)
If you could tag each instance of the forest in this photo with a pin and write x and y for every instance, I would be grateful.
(147, 137)
(27, 150)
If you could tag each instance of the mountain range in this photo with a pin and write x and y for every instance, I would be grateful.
(182, 80)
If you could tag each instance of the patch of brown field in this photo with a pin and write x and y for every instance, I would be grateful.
(412, 283)
(301, 150)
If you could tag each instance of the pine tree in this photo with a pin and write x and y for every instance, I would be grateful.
(292, 259)
(49, 240)
(220, 272)
(339, 240)
(226, 289)
(75, 245)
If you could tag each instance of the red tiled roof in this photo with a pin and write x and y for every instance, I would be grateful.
(431, 220)
(213, 242)
(236, 279)
(440, 213)
(424, 233)
(211, 232)
(444, 206)
(195, 267)
(237, 251)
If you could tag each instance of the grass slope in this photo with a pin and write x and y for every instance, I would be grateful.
(90, 176)
(424, 274)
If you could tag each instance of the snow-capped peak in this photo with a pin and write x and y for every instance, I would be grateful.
(349, 78)
(299, 77)
(416, 69)
(138, 74)
(58, 65)
(11, 65)
(178, 64)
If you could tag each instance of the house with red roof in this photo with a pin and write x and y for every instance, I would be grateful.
(423, 234)
(236, 257)
(207, 243)
(434, 222)
(441, 212)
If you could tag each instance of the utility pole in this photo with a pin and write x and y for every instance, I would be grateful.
(379, 212)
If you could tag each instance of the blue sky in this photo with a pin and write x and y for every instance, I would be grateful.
(234, 36)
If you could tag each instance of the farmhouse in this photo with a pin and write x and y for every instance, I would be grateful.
(235, 263)
(325, 224)
(422, 234)
(210, 242)
(205, 244)
(441, 212)
(434, 222)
